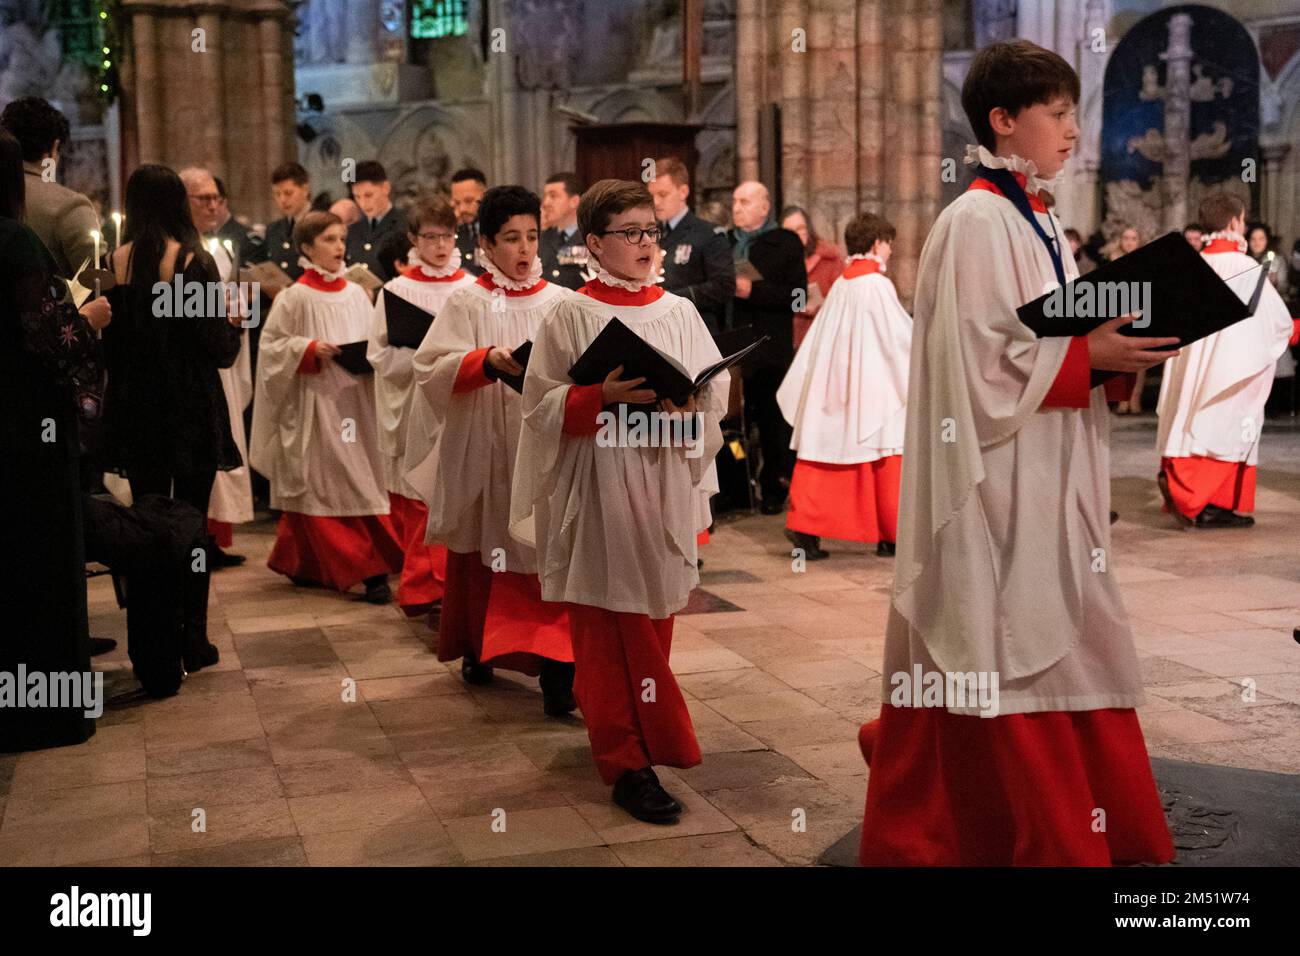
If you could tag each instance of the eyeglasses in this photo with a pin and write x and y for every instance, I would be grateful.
(633, 235)
(436, 236)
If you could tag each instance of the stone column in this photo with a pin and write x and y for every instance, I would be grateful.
(363, 31)
(1178, 112)
(208, 87)
(751, 66)
(148, 88)
(795, 101)
(870, 101)
(270, 42)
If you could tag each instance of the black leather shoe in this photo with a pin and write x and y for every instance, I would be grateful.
(885, 549)
(204, 656)
(377, 589)
(1215, 517)
(810, 543)
(640, 794)
(772, 506)
(219, 559)
(557, 688)
(1114, 516)
(473, 672)
(101, 645)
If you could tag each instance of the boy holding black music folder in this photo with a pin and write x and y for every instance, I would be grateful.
(404, 310)
(613, 513)
(1025, 747)
(469, 368)
(314, 432)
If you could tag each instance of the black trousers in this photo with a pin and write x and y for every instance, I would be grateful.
(773, 431)
(194, 490)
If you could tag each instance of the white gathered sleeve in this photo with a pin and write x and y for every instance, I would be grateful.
(614, 526)
(314, 436)
(466, 478)
(1004, 559)
(1212, 395)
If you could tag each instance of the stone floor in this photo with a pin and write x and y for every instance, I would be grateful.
(779, 668)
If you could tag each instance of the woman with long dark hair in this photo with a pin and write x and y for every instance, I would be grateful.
(166, 423)
(49, 375)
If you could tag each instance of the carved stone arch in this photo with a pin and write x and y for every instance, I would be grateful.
(632, 105)
(338, 137)
(426, 144)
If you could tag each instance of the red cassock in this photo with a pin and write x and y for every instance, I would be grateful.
(338, 552)
(1195, 482)
(424, 568)
(820, 497)
(223, 532)
(635, 713)
(1052, 788)
(1060, 788)
(499, 616)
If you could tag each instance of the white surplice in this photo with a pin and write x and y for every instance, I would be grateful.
(1004, 561)
(404, 429)
(845, 394)
(315, 436)
(1212, 394)
(232, 491)
(466, 477)
(615, 527)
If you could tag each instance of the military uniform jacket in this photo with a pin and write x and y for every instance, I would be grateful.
(698, 266)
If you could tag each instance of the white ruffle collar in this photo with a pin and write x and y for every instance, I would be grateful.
(631, 285)
(306, 263)
(1236, 237)
(499, 278)
(1033, 182)
(433, 272)
(867, 255)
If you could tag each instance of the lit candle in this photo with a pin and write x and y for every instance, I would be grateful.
(117, 228)
(94, 234)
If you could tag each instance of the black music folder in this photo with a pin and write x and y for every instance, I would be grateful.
(407, 323)
(618, 345)
(1175, 290)
(520, 355)
(352, 357)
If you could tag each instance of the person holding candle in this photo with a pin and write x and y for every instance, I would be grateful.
(166, 424)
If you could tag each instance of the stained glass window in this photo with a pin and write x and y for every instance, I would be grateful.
(435, 19)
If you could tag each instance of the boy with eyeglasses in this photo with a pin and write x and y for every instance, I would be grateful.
(432, 274)
(615, 524)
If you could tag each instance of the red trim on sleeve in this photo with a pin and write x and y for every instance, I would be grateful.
(472, 373)
(1072, 384)
(1119, 388)
(310, 364)
(581, 406)
(1295, 332)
